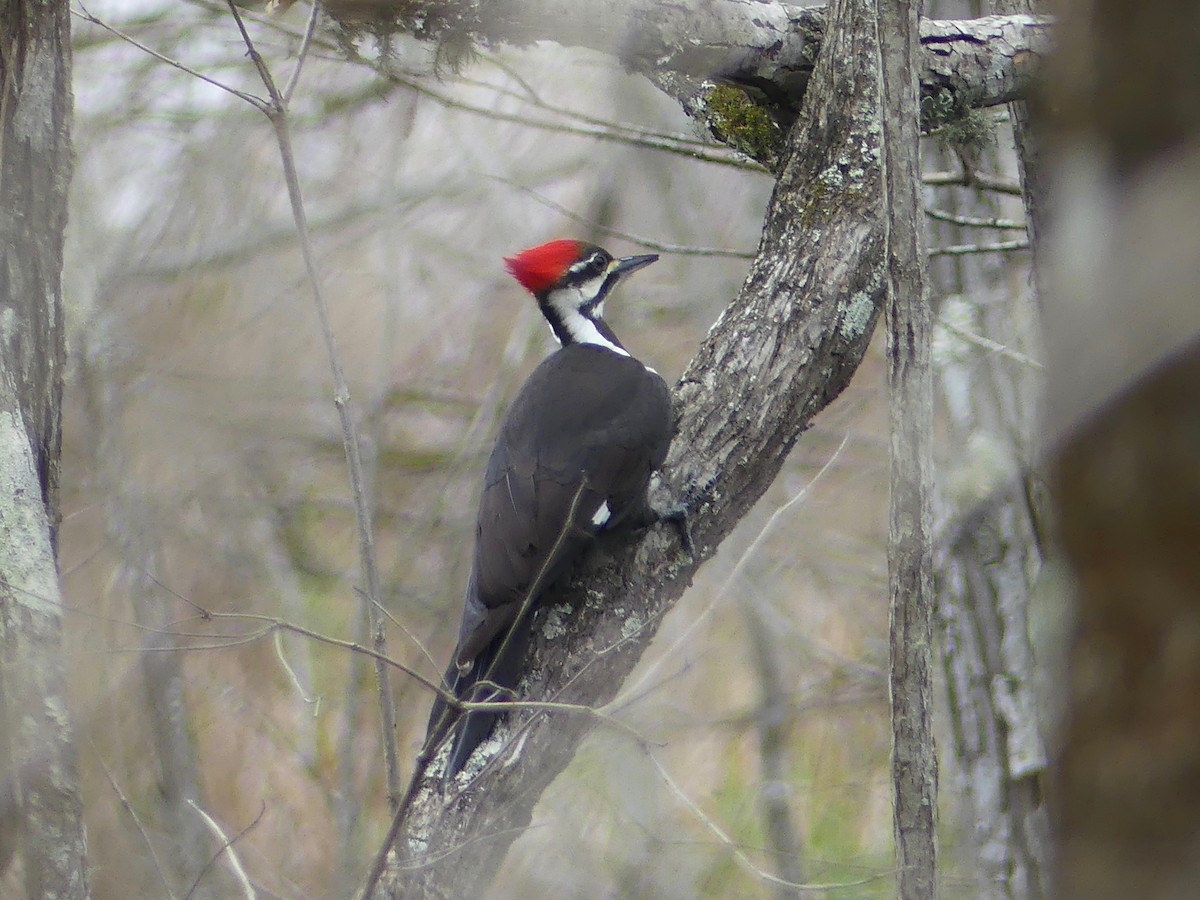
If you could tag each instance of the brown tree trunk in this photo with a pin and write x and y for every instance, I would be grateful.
(40, 806)
(1124, 339)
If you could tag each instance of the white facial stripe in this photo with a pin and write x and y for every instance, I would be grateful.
(589, 289)
(601, 515)
(584, 263)
(566, 303)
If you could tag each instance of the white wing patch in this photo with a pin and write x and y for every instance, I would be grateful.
(602, 515)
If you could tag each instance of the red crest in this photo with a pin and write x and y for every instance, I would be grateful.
(538, 268)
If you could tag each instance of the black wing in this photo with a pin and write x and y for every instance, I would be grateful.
(574, 456)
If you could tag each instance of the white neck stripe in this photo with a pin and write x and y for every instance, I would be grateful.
(582, 329)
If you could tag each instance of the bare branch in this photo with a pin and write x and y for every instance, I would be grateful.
(973, 221)
(277, 114)
(257, 102)
(981, 180)
(988, 344)
(305, 43)
(227, 850)
(968, 249)
(965, 63)
(128, 807)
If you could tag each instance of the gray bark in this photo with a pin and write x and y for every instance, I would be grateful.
(1034, 190)
(686, 48)
(35, 169)
(781, 352)
(989, 560)
(989, 552)
(910, 383)
(40, 805)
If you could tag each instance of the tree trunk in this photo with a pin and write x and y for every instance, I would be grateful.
(1123, 327)
(39, 783)
(910, 404)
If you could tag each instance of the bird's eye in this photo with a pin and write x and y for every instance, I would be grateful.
(591, 266)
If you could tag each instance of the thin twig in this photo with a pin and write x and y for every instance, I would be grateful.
(968, 249)
(733, 845)
(988, 344)
(128, 807)
(649, 244)
(401, 627)
(533, 592)
(277, 114)
(257, 102)
(529, 95)
(314, 702)
(942, 215)
(627, 694)
(227, 849)
(968, 178)
(274, 623)
(305, 44)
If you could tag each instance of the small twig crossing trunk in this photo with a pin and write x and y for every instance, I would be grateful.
(910, 381)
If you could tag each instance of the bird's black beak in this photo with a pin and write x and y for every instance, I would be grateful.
(628, 264)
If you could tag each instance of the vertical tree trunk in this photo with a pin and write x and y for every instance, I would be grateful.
(989, 555)
(1028, 144)
(129, 529)
(910, 381)
(35, 169)
(1123, 334)
(38, 779)
(989, 561)
(772, 723)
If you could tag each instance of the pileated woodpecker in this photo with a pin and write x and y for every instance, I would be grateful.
(573, 458)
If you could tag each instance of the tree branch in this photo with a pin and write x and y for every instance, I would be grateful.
(770, 46)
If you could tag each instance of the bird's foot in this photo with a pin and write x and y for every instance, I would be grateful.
(677, 515)
(663, 506)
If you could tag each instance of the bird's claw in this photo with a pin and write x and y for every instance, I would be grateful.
(677, 515)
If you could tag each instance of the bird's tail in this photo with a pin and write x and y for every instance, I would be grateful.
(493, 675)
